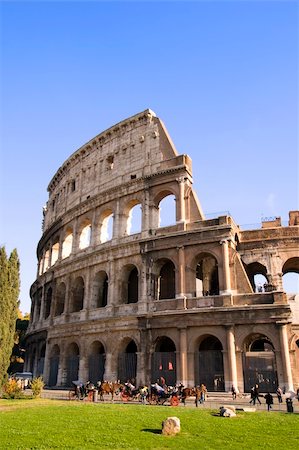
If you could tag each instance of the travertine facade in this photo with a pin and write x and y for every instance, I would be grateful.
(177, 301)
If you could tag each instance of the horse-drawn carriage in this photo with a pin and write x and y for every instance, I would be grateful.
(80, 390)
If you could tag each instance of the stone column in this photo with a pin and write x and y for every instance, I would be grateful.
(110, 372)
(111, 284)
(285, 356)
(142, 302)
(83, 367)
(94, 231)
(61, 376)
(226, 269)
(42, 306)
(75, 236)
(183, 357)
(145, 213)
(231, 350)
(181, 214)
(181, 273)
(46, 371)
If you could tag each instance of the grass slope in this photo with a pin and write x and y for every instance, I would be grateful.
(48, 424)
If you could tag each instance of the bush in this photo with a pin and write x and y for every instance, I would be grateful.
(12, 389)
(37, 385)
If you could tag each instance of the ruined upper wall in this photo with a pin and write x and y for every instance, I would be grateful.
(132, 149)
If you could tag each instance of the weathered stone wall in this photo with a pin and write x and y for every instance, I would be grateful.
(208, 265)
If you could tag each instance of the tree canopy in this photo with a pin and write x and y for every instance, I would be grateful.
(9, 302)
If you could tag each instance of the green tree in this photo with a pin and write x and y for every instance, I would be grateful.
(9, 302)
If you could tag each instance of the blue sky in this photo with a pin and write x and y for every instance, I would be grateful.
(222, 75)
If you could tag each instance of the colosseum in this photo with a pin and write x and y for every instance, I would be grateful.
(119, 295)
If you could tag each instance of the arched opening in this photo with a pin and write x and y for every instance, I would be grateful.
(167, 211)
(85, 236)
(134, 219)
(54, 366)
(47, 260)
(77, 300)
(257, 274)
(106, 232)
(48, 302)
(96, 362)
(72, 364)
(164, 361)
(209, 364)
(166, 281)
(290, 278)
(60, 299)
(100, 290)
(38, 301)
(207, 281)
(259, 364)
(133, 286)
(54, 253)
(41, 361)
(67, 244)
(127, 363)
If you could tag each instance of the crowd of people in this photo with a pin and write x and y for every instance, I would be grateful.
(255, 396)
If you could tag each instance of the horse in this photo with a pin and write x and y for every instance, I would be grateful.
(199, 392)
(108, 387)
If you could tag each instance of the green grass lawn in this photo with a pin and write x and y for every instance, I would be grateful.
(51, 424)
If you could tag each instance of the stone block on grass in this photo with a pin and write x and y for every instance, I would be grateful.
(171, 426)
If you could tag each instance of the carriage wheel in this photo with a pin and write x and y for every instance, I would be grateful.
(124, 397)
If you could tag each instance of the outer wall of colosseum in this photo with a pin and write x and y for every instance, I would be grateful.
(179, 301)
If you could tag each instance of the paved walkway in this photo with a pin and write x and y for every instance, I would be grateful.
(213, 401)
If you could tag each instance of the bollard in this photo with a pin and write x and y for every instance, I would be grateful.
(289, 403)
(95, 395)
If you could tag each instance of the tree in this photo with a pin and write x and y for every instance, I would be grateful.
(9, 301)
(18, 351)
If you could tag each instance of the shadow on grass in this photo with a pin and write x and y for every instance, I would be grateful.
(152, 430)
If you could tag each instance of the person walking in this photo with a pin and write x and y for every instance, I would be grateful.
(279, 394)
(269, 400)
(234, 392)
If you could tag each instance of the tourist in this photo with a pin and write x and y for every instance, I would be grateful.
(269, 400)
(279, 394)
(234, 393)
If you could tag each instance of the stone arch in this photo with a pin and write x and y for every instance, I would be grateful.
(46, 260)
(206, 274)
(72, 363)
(85, 234)
(67, 243)
(165, 204)
(259, 363)
(96, 362)
(54, 365)
(290, 275)
(55, 251)
(48, 301)
(60, 299)
(257, 275)
(209, 368)
(77, 295)
(127, 361)
(164, 361)
(106, 225)
(100, 290)
(133, 214)
(166, 279)
(130, 284)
